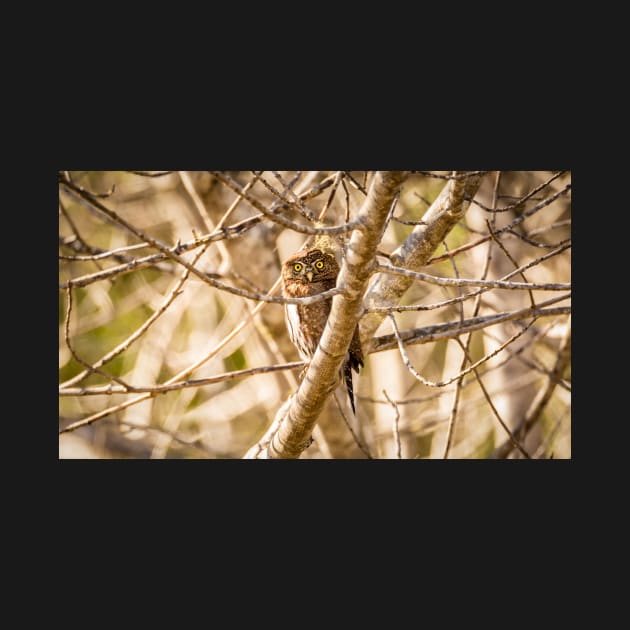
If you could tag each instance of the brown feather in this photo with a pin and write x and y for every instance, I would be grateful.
(306, 322)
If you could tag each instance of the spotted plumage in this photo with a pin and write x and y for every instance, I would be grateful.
(304, 274)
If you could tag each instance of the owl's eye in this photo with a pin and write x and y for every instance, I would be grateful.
(319, 264)
(297, 267)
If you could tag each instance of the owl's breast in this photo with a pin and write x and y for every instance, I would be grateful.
(305, 324)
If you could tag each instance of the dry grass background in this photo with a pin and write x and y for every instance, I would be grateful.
(225, 418)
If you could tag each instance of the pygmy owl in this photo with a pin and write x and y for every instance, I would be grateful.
(304, 274)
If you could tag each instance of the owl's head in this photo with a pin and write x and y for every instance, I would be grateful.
(310, 266)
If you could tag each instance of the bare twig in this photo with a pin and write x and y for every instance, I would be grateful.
(466, 358)
(522, 200)
(413, 254)
(454, 176)
(355, 183)
(511, 258)
(170, 254)
(90, 369)
(534, 412)
(363, 447)
(108, 390)
(450, 330)
(395, 424)
(121, 347)
(428, 383)
(491, 284)
(182, 374)
(511, 437)
(533, 364)
(322, 214)
(517, 221)
(290, 198)
(458, 385)
(220, 233)
(278, 218)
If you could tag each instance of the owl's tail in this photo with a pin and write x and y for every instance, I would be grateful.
(352, 362)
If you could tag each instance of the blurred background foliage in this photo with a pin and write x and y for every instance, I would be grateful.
(224, 419)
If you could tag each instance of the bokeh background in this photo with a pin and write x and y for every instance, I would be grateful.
(157, 321)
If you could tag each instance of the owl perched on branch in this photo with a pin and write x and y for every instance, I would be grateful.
(304, 274)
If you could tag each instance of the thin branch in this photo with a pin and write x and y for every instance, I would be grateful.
(355, 183)
(428, 383)
(525, 380)
(425, 307)
(91, 369)
(169, 252)
(278, 218)
(413, 254)
(531, 364)
(173, 294)
(220, 233)
(322, 214)
(450, 330)
(290, 198)
(135, 264)
(534, 243)
(100, 254)
(548, 442)
(409, 222)
(466, 358)
(72, 225)
(195, 443)
(511, 259)
(523, 199)
(363, 447)
(201, 212)
(395, 424)
(183, 373)
(517, 221)
(458, 175)
(548, 228)
(511, 437)
(453, 416)
(490, 284)
(108, 390)
(534, 412)
(458, 385)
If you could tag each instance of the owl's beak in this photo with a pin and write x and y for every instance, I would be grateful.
(309, 275)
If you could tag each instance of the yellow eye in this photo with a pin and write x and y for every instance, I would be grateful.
(297, 267)
(319, 264)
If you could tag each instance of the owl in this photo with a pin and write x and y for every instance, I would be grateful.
(304, 274)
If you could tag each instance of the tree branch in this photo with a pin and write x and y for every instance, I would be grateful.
(291, 432)
(539, 403)
(387, 290)
(452, 330)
